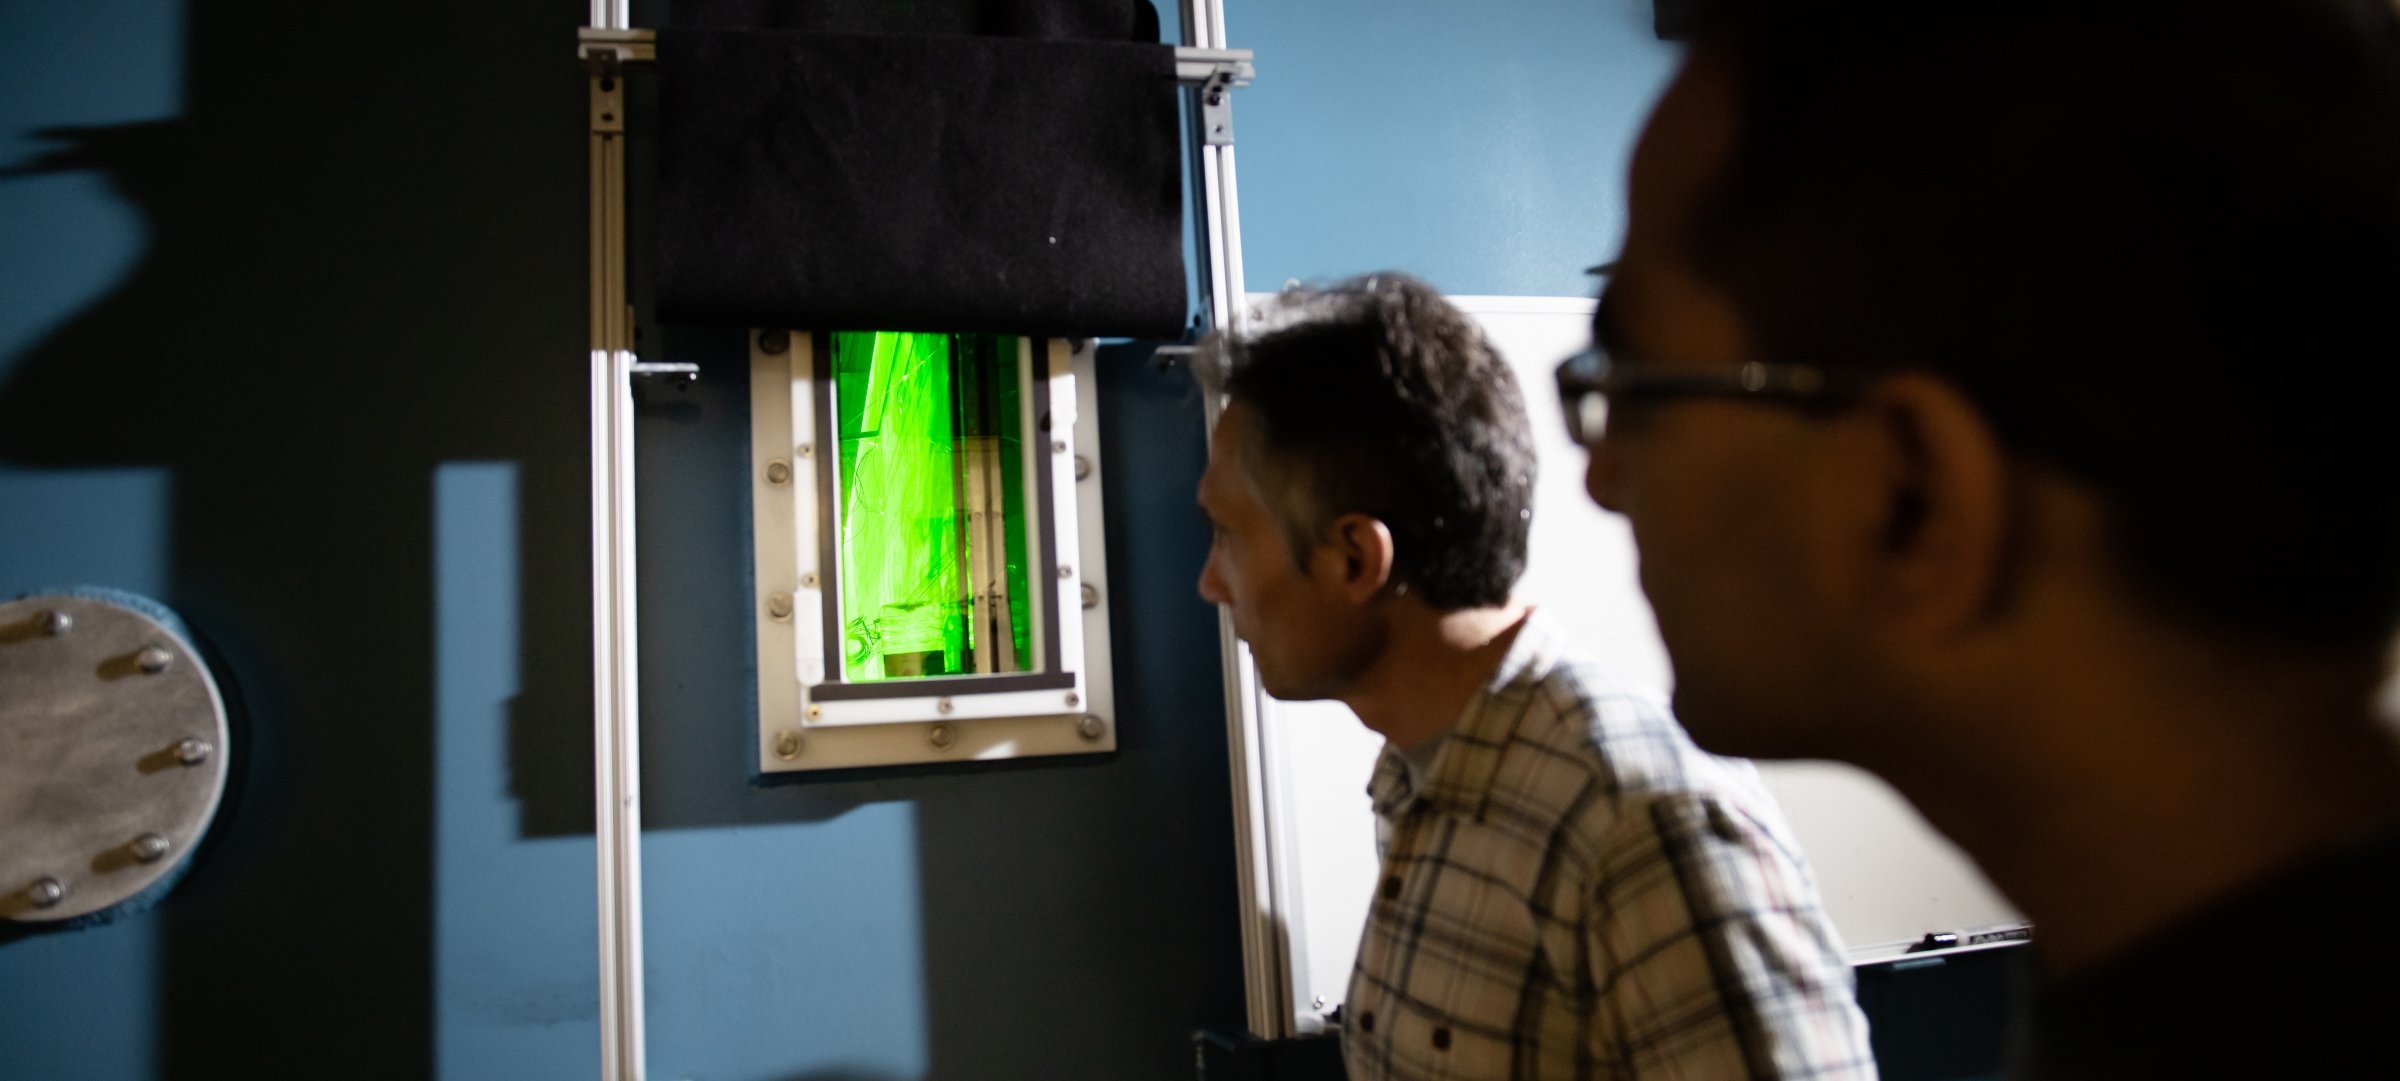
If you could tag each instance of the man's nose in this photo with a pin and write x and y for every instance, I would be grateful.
(1600, 476)
(1212, 586)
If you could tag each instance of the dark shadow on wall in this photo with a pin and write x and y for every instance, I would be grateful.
(1080, 914)
(1108, 894)
(366, 258)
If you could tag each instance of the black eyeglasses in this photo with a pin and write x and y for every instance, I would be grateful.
(1589, 381)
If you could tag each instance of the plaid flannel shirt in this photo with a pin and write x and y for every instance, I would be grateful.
(1579, 892)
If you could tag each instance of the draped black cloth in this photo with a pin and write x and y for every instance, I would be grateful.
(934, 180)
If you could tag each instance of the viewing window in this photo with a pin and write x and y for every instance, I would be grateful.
(928, 541)
(931, 507)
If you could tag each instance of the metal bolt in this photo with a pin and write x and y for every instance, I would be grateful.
(55, 623)
(1065, 572)
(1058, 446)
(942, 706)
(1317, 1003)
(809, 580)
(46, 892)
(779, 472)
(774, 342)
(1091, 595)
(808, 450)
(1074, 700)
(154, 659)
(787, 745)
(941, 736)
(779, 606)
(1092, 727)
(149, 847)
(816, 713)
(1083, 468)
(192, 752)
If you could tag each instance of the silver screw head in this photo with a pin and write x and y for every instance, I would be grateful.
(943, 706)
(1074, 700)
(154, 659)
(46, 892)
(1058, 446)
(1091, 727)
(779, 472)
(1083, 468)
(816, 713)
(808, 450)
(55, 623)
(1065, 572)
(941, 736)
(150, 847)
(787, 745)
(1091, 595)
(809, 580)
(779, 606)
(192, 752)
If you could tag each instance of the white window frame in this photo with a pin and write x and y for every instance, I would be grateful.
(952, 721)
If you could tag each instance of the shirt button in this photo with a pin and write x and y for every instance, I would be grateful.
(1723, 825)
(1441, 1039)
(1391, 888)
(1366, 1021)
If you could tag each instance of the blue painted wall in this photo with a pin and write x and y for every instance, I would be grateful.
(1481, 146)
(291, 337)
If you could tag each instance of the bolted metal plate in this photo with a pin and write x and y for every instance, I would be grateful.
(112, 741)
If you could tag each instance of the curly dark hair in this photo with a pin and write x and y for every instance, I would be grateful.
(1376, 396)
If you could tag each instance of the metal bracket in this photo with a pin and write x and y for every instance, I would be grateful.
(605, 50)
(1216, 108)
(647, 375)
(678, 373)
(608, 100)
(1194, 67)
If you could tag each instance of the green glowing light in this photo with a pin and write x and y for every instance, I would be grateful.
(932, 524)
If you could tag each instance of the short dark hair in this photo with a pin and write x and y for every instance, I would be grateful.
(1376, 396)
(2156, 241)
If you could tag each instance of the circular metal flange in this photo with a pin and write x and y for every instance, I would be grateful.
(113, 755)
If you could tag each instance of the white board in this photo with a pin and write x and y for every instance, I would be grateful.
(1887, 877)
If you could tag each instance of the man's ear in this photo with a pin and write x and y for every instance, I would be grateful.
(1360, 546)
(1940, 508)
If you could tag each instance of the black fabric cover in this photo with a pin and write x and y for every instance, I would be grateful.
(1082, 20)
(919, 183)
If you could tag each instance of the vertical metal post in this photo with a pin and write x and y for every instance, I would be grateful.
(1266, 942)
(1220, 221)
(616, 721)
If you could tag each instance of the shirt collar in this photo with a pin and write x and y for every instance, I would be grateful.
(1460, 781)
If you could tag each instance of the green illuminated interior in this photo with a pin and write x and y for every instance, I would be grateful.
(933, 520)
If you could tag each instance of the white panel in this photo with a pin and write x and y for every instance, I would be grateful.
(1886, 876)
(1333, 846)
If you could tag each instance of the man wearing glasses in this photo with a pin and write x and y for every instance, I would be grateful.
(1987, 388)
(1570, 889)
